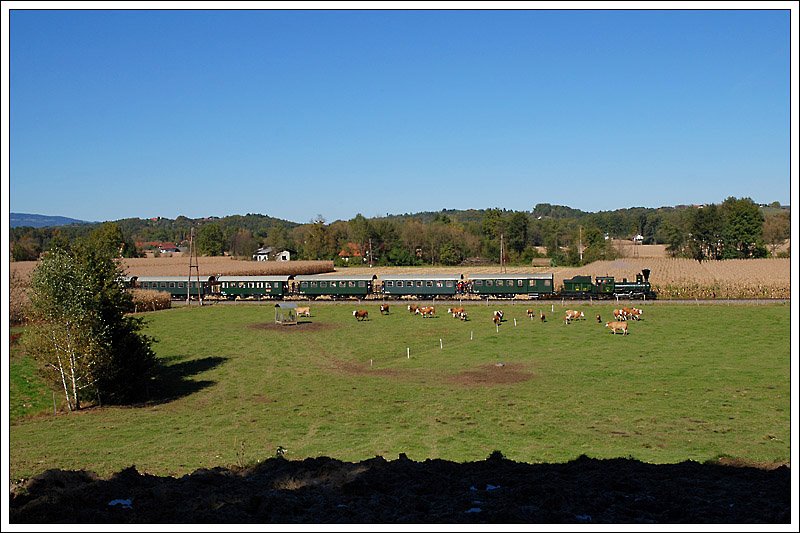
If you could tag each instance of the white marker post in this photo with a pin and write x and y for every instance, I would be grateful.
(408, 353)
(441, 346)
(515, 322)
(470, 338)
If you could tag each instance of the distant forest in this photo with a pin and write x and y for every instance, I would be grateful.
(735, 228)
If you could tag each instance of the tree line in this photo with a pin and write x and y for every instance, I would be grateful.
(735, 228)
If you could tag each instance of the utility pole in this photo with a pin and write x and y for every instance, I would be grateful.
(370, 252)
(502, 262)
(580, 242)
(193, 264)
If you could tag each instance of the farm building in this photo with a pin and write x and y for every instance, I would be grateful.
(351, 251)
(270, 254)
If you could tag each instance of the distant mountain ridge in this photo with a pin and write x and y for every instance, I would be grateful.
(41, 221)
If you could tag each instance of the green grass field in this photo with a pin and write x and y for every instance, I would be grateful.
(694, 382)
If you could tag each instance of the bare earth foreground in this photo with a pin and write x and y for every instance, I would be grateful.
(496, 490)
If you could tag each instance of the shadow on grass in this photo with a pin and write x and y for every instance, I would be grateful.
(174, 381)
(496, 490)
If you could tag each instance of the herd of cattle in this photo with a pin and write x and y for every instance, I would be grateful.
(620, 322)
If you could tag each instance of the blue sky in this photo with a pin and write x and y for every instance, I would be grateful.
(299, 113)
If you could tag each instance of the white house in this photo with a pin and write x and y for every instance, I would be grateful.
(268, 254)
(262, 254)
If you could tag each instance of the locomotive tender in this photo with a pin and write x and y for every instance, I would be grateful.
(394, 286)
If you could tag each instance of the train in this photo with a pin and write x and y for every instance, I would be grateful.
(335, 286)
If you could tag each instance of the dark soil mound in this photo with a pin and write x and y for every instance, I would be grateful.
(497, 490)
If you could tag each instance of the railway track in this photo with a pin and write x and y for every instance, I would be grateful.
(491, 301)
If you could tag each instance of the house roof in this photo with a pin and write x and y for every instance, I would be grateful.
(350, 250)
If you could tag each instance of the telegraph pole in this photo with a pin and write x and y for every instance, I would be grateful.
(193, 265)
(580, 242)
(502, 262)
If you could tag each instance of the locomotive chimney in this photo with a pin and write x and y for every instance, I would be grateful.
(646, 273)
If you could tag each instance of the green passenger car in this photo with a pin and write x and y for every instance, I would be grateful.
(256, 287)
(511, 285)
(420, 285)
(335, 286)
(179, 287)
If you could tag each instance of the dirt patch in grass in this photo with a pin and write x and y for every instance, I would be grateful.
(301, 326)
(493, 374)
(359, 369)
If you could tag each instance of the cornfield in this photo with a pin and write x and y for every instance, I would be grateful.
(148, 300)
(222, 266)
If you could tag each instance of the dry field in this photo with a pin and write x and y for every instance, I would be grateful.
(207, 266)
(671, 278)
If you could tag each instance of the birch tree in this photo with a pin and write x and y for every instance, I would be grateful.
(62, 338)
(81, 336)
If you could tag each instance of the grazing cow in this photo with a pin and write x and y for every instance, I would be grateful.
(303, 311)
(384, 309)
(617, 325)
(572, 315)
(619, 315)
(455, 311)
(427, 312)
(462, 315)
(598, 320)
(636, 313)
(497, 317)
(530, 313)
(542, 317)
(413, 308)
(361, 314)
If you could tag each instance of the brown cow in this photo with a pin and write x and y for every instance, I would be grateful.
(427, 312)
(455, 311)
(413, 308)
(617, 325)
(361, 314)
(572, 315)
(542, 317)
(384, 309)
(303, 311)
(530, 313)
